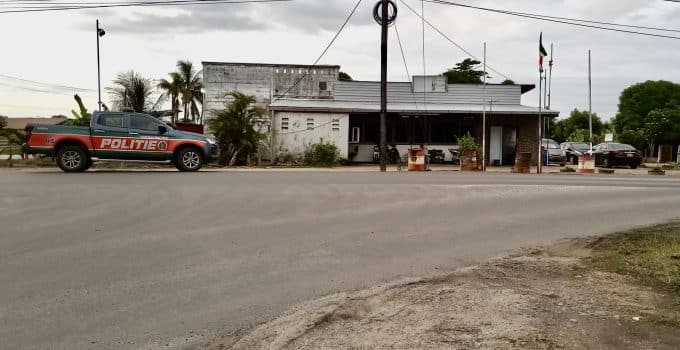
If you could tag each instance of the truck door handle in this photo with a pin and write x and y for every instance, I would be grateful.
(134, 133)
(99, 131)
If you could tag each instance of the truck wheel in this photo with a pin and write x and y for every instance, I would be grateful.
(72, 159)
(189, 159)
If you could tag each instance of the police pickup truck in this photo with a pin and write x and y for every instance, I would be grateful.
(122, 136)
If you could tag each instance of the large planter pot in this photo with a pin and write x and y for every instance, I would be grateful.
(522, 163)
(468, 160)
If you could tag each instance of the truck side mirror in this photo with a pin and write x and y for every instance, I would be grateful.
(162, 129)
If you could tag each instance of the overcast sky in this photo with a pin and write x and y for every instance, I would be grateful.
(59, 47)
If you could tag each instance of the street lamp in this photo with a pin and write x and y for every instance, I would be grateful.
(100, 33)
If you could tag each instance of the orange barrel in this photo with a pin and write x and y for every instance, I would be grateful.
(522, 163)
(416, 159)
(586, 164)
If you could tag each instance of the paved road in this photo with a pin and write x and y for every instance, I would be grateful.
(113, 260)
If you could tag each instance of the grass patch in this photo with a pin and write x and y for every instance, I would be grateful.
(17, 162)
(652, 256)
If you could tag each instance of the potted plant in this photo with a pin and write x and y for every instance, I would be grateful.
(468, 149)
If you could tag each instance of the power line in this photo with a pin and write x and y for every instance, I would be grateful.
(403, 56)
(586, 20)
(451, 40)
(37, 90)
(142, 4)
(342, 27)
(543, 18)
(44, 84)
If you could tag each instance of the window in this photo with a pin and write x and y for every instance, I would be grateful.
(355, 135)
(335, 124)
(112, 120)
(310, 123)
(323, 86)
(284, 123)
(143, 122)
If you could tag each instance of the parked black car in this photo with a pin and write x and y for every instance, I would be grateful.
(572, 150)
(554, 152)
(609, 154)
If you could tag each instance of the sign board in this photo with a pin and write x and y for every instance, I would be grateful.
(608, 137)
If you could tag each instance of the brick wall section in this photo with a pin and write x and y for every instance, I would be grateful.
(527, 132)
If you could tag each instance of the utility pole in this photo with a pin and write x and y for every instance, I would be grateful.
(384, 23)
(100, 33)
(484, 115)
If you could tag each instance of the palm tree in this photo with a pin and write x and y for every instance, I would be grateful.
(191, 94)
(172, 91)
(131, 90)
(234, 128)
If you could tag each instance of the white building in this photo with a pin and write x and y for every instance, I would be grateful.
(426, 111)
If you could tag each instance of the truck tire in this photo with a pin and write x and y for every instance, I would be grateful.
(72, 159)
(189, 159)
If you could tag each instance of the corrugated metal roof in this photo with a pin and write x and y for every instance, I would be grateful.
(402, 92)
(364, 96)
(394, 107)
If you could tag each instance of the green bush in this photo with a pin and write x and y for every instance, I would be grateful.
(322, 154)
(467, 143)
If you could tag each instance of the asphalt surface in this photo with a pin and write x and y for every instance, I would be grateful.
(134, 260)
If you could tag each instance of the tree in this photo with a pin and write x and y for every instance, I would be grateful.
(83, 117)
(508, 82)
(131, 90)
(662, 126)
(577, 120)
(234, 128)
(465, 73)
(637, 101)
(342, 76)
(173, 88)
(635, 138)
(14, 138)
(190, 92)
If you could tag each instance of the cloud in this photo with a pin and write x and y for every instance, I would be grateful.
(301, 16)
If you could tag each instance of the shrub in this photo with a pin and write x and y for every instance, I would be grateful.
(322, 154)
(467, 143)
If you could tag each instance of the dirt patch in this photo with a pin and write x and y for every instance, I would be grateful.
(552, 298)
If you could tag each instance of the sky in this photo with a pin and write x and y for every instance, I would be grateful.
(59, 48)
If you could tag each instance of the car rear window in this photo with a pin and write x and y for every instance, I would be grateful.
(112, 120)
(621, 147)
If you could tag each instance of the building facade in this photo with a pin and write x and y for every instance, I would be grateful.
(424, 112)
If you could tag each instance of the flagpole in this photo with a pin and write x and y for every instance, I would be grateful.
(550, 64)
(539, 168)
(484, 115)
(541, 54)
(590, 103)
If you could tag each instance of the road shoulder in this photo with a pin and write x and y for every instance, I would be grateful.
(568, 295)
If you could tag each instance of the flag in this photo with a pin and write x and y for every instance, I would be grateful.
(541, 53)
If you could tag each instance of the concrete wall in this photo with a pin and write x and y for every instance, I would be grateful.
(265, 81)
(294, 132)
